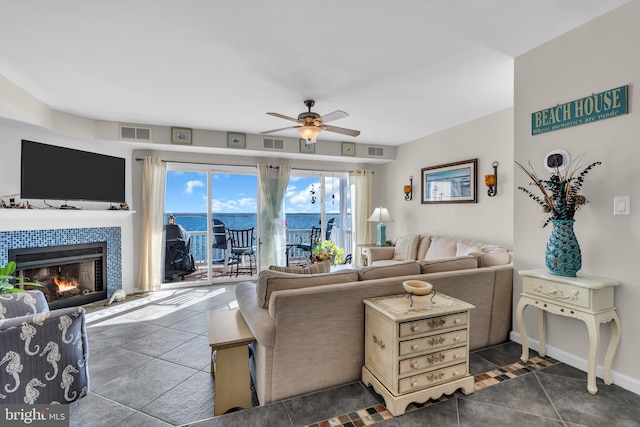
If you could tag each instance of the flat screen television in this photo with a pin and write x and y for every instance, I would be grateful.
(50, 172)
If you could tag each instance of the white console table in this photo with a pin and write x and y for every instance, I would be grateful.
(588, 298)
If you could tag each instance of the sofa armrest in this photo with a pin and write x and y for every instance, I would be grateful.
(51, 349)
(378, 253)
(258, 319)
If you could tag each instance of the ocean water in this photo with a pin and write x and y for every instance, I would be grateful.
(198, 222)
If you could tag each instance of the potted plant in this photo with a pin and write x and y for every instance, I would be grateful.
(9, 282)
(327, 250)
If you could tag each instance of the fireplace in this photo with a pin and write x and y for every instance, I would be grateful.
(70, 275)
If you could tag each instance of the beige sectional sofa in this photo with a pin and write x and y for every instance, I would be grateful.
(309, 329)
(443, 251)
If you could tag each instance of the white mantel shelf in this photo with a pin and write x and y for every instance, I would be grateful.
(7, 214)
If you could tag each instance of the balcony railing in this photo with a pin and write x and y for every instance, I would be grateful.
(296, 255)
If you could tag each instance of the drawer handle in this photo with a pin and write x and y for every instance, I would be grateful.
(436, 323)
(455, 356)
(414, 364)
(456, 338)
(415, 328)
(436, 341)
(378, 342)
(414, 347)
(457, 320)
(456, 373)
(414, 383)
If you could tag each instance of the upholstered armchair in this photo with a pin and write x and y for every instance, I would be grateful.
(43, 354)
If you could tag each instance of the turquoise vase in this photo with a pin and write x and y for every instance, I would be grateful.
(563, 256)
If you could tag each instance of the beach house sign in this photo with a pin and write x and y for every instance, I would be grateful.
(599, 106)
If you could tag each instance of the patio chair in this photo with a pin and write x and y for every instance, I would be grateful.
(242, 245)
(220, 243)
(314, 239)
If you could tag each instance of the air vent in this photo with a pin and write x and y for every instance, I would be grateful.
(376, 151)
(138, 134)
(272, 144)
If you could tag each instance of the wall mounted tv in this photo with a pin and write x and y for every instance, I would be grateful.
(51, 172)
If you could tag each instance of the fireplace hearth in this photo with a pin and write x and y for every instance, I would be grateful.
(70, 275)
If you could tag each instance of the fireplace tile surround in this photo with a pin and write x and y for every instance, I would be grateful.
(68, 236)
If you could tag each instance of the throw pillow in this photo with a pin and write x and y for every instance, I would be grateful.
(319, 267)
(406, 247)
(441, 247)
(465, 247)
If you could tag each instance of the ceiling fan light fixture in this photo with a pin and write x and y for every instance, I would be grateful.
(310, 133)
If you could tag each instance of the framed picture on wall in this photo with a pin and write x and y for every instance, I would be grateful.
(236, 140)
(306, 147)
(181, 136)
(450, 183)
(348, 149)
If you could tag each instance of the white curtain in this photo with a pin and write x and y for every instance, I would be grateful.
(153, 183)
(360, 185)
(273, 186)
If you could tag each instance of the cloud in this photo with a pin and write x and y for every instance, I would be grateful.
(193, 184)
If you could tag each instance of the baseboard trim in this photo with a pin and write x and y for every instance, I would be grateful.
(621, 380)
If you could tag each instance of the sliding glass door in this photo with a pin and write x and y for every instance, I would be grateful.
(316, 199)
(208, 205)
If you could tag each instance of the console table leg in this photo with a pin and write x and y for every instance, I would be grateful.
(542, 331)
(612, 349)
(594, 337)
(522, 304)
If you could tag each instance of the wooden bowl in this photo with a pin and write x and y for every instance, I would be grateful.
(417, 287)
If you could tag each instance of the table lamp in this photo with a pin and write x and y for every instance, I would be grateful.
(380, 215)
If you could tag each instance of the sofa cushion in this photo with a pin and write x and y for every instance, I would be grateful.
(448, 264)
(493, 258)
(270, 281)
(441, 247)
(406, 247)
(318, 267)
(392, 270)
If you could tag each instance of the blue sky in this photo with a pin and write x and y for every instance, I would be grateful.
(187, 193)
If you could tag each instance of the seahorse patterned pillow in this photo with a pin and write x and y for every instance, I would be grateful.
(43, 359)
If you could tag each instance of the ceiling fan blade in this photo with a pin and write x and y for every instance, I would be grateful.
(343, 131)
(278, 130)
(282, 116)
(338, 114)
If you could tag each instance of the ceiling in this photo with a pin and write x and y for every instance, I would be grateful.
(402, 69)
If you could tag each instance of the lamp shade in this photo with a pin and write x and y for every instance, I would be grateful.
(380, 215)
(309, 132)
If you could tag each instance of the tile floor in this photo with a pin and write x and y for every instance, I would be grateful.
(149, 366)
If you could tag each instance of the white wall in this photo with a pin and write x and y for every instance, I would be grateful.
(595, 57)
(490, 220)
(11, 133)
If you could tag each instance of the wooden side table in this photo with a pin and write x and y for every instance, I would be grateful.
(229, 336)
(416, 352)
(587, 298)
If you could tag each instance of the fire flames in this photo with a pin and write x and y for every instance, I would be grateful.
(65, 285)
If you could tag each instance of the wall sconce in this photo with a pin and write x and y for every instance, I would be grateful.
(408, 190)
(491, 181)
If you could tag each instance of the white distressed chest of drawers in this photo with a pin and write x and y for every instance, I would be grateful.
(415, 353)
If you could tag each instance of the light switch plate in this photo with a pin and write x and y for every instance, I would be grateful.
(622, 205)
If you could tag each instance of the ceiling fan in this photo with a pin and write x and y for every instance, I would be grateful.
(311, 124)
